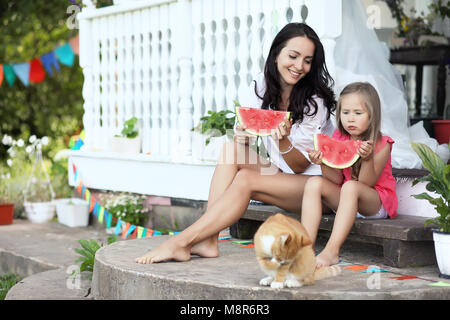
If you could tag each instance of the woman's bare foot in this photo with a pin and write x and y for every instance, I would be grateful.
(169, 250)
(208, 248)
(327, 258)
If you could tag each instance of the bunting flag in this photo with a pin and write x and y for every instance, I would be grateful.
(65, 55)
(1, 74)
(49, 61)
(22, 70)
(9, 74)
(33, 71)
(37, 73)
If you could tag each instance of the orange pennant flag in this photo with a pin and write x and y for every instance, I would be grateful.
(1, 74)
(80, 187)
(125, 230)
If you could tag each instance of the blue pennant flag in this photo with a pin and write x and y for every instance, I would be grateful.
(22, 70)
(49, 61)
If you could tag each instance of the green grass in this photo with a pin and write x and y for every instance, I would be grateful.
(7, 281)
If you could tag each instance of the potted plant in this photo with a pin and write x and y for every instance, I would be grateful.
(129, 140)
(128, 208)
(6, 202)
(38, 194)
(72, 212)
(438, 182)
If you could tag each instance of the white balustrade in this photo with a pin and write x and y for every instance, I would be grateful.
(168, 62)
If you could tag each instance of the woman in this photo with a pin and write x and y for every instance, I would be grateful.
(295, 79)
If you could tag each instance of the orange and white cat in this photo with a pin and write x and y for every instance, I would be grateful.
(284, 252)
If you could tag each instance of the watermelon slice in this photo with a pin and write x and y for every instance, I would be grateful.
(335, 153)
(260, 122)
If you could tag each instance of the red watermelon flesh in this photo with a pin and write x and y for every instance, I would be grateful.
(260, 122)
(336, 153)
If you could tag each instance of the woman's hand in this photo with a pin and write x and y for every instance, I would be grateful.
(241, 136)
(315, 156)
(283, 130)
(365, 150)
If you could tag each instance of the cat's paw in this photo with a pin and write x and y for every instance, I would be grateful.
(266, 281)
(277, 285)
(292, 283)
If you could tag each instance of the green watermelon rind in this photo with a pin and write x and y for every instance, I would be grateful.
(332, 165)
(254, 132)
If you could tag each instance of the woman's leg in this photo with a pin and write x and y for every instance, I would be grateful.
(283, 190)
(355, 196)
(233, 157)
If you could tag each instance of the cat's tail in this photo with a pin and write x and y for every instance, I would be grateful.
(326, 272)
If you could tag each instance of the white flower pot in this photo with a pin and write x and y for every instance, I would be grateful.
(125, 145)
(39, 212)
(72, 212)
(442, 249)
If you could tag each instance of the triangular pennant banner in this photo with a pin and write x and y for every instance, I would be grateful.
(49, 61)
(75, 44)
(1, 74)
(65, 55)
(23, 72)
(37, 73)
(9, 74)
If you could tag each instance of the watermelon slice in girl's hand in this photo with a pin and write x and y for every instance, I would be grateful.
(260, 122)
(336, 153)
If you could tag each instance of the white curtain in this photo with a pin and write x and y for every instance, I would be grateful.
(359, 56)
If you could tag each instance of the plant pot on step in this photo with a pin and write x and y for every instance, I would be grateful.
(441, 130)
(442, 249)
(6, 213)
(39, 212)
(72, 212)
(125, 145)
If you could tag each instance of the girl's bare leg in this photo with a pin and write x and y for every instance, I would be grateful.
(280, 189)
(318, 190)
(354, 197)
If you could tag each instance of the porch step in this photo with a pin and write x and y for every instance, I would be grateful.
(235, 275)
(405, 240)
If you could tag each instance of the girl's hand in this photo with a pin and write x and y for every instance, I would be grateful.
(315, 156)
(241, 136)
(365, 150)
(283, 130)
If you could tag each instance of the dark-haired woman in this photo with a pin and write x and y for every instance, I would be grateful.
(295, 79)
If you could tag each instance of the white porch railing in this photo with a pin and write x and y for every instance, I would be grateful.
(167, 63)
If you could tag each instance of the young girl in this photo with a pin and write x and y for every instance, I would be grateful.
(367, 189)
(295, 79)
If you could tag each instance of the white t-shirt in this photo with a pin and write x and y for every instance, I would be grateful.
(301, 136)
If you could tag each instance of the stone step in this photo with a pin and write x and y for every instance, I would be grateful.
(235, 275)
(405, 239)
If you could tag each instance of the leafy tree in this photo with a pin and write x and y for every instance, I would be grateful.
(53, 107)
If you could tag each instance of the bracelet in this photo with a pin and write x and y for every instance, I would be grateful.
(288, 150)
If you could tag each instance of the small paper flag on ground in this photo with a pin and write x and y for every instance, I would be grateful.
(356, 268)
(440, 284)
(139, 232)
(403, 277)
(22, 70)
(65, 55)
(248, 246)
(37, 73)
(9, 74)
(1, 74)
(224, 237)
(373, 270)
(49, 60)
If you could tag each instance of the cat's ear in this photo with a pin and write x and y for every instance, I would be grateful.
(285, 239)
(306, 241)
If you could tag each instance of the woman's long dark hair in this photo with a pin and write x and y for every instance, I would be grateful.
(317, 82)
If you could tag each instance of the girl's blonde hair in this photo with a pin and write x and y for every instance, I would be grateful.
(373, 105)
